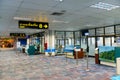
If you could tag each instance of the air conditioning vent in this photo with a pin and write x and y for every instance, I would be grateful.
(57, 13)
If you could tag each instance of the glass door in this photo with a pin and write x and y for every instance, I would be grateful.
(91, 45)
(99, 41)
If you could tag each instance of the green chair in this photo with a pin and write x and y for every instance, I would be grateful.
(31, 50)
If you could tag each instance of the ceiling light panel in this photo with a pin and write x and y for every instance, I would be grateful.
(105, 6)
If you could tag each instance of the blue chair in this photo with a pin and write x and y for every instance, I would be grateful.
(116, 77)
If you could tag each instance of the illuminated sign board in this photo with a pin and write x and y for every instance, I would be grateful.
(18, 34)
(33, 25)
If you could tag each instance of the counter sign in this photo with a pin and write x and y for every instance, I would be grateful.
(33, 25)
(18, 34)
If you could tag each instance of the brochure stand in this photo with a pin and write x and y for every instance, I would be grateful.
(76, 50)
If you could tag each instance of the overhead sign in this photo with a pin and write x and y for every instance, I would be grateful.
(18, 34)
(40, 34)
(33, 25)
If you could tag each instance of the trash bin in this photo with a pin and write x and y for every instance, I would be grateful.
(23, 50)
(97, 61)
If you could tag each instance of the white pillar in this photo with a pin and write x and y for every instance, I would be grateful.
(53, 42)
(50, 39)
(47, 38)
(118, 66)
(28, 41)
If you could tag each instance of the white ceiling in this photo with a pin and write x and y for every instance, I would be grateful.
(78, 14)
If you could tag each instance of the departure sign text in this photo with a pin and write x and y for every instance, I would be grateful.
(33, 25)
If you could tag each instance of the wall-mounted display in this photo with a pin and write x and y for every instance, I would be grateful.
(107, 53)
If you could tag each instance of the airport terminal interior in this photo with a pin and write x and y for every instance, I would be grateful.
(59, 40)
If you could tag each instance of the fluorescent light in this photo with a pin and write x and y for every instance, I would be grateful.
(59, 0)
(21, 18)
(88, 25)
(57, 21)
(105, 6)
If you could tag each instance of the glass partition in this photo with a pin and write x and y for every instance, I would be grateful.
(91, 44)
(60, 36)
(99, 31)
(117, 29)
(109, 30)
(69, 38)
(84, 42)
(91, 32)
(77, 38)
(100, 41)
(107, 41)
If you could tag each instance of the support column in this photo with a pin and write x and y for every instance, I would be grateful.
(50, 40)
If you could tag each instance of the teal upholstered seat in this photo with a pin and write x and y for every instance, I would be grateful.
(116, 77)
(31, 50)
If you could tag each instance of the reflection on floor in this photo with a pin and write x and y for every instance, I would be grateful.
(39, 67)
(5, 49)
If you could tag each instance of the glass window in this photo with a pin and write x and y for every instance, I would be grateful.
(92, 32)
(100, 41)
(59, 39)
(83, 42)
(60, 35)
(70, 38)
(99, 31)
(107, 41)
(91, 45)
(77, 38)
(118, 29)
(109, 30)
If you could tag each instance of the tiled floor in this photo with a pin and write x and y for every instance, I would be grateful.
(39, 67)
